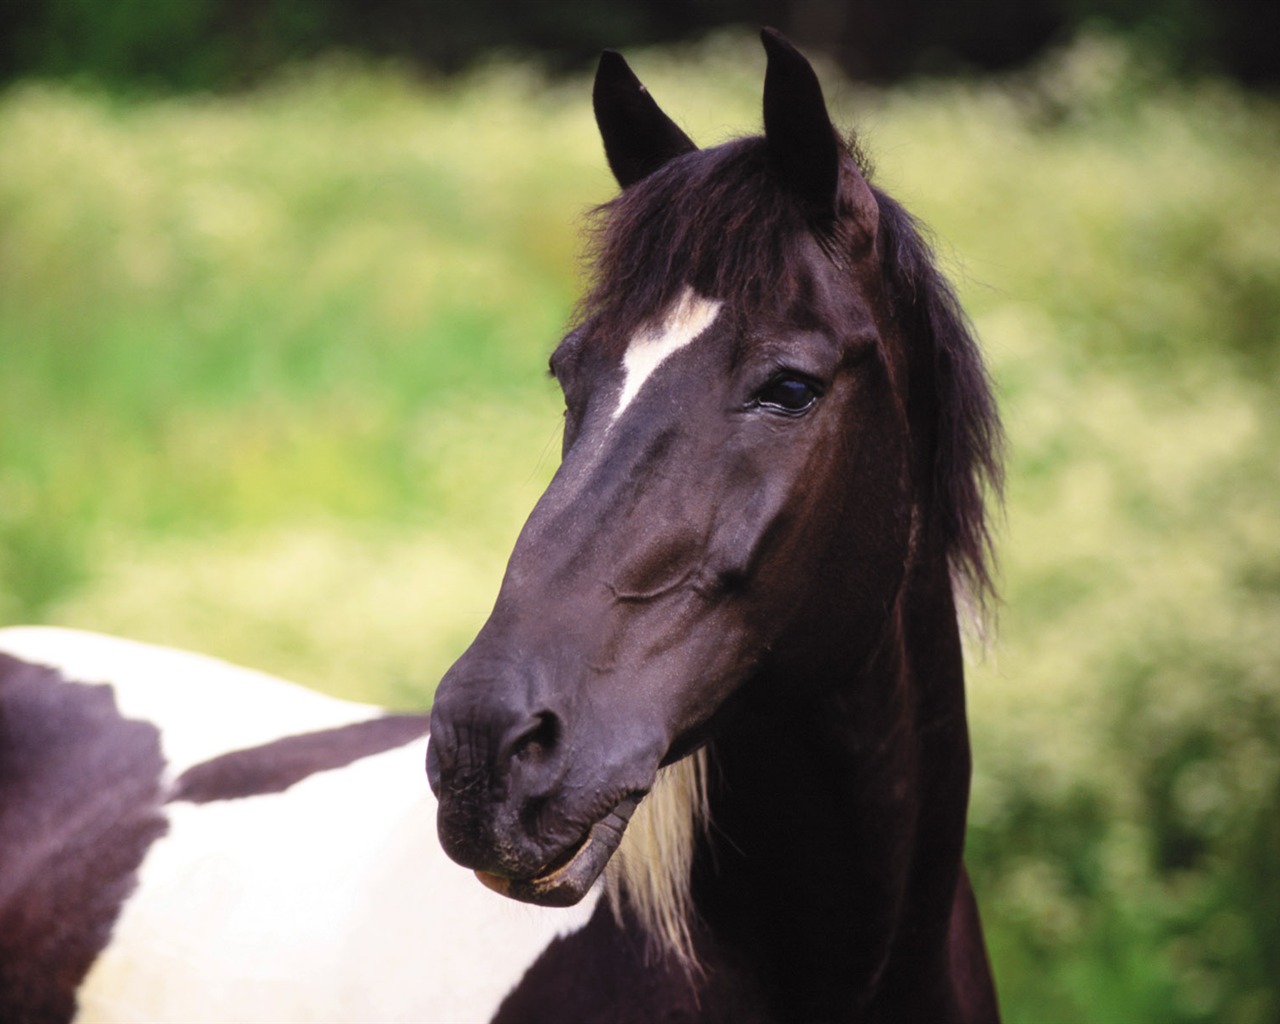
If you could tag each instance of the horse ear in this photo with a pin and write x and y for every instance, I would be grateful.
(802, 143)
(638, 137)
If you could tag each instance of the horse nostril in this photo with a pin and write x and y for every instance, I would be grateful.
(539, 739)
(433, 767)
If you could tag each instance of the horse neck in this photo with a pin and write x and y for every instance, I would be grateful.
(837, 822)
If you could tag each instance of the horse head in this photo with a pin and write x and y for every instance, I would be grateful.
(736, 452)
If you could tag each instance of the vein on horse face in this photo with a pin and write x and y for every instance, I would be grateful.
(688, 317)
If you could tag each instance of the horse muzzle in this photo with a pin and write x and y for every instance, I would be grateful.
(530, 798)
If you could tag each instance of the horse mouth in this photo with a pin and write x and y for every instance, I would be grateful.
(569, 877)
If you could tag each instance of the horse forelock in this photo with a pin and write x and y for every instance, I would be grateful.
(649, 875)
(714, 220)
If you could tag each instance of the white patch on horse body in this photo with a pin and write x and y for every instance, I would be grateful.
(649, 348)
(330, 901)
(652, 866)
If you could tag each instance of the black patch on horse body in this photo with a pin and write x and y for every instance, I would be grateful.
(603, 974)
(274, 767)
(80, 797)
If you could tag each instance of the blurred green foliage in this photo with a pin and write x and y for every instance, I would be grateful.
(273, 388)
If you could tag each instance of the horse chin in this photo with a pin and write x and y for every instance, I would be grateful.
(568, 878)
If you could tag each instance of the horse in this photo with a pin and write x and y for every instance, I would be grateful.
(707, 758)
(724, 667)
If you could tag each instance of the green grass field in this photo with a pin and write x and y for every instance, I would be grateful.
(274, 388)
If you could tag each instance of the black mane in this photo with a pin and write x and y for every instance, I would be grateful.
(719, 220)
(968, 438)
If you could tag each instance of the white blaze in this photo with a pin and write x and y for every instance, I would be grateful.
(689, 316)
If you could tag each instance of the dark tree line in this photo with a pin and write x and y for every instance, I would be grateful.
(225, 43)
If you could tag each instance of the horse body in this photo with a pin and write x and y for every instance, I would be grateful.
(276, 860)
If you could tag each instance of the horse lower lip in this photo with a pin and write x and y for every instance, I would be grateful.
(565, 880)
(547, 877)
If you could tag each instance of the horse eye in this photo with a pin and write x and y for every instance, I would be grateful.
(787, 394)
